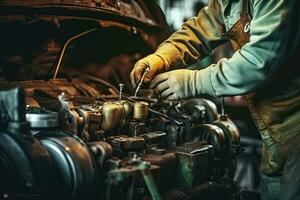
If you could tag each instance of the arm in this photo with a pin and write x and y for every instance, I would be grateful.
(274, 37)
(196, 39)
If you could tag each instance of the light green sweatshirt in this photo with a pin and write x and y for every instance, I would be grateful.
(275, 34)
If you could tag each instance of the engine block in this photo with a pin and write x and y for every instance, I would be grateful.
(113, 147)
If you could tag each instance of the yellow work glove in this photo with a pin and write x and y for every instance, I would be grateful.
(154, 62)
(182, 83)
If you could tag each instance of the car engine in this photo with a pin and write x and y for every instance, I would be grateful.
(115, 147)
(68, 133)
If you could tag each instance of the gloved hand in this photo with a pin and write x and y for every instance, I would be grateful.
(182, 83)
(156, 64)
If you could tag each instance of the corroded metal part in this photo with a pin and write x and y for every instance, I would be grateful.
(140, 110)
(132, 12)
(112, 115)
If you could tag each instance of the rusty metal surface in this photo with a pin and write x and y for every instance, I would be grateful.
(132, 12)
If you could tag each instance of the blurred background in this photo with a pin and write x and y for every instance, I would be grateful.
(247, 173)
(178, 11)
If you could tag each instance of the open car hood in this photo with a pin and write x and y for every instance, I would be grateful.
(144, 14)
(126, 30)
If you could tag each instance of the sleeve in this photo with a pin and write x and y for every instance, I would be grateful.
(196, 39)
(274, 38)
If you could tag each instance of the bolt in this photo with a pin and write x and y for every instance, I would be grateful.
(121, 85)
(135, 130)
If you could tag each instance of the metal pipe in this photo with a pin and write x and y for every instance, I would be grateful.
(222, 106)
(65, 46)
(149, 180)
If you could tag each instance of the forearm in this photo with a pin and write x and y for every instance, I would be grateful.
(196, 39)
(274, 36)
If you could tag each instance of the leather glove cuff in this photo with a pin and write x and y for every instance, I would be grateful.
(163, 63)
(203, 82)
(169, 55)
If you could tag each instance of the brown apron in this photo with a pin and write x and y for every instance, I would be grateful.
(276, 114)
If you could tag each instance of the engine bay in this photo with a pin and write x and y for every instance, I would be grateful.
(118, 147)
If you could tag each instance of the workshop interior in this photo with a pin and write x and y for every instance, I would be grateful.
(72, 127)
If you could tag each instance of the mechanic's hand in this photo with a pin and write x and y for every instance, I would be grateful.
(153, 61)
(176, 84)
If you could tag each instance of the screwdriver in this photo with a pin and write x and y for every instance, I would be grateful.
(141, 81)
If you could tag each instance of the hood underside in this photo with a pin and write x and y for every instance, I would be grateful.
(131, 12)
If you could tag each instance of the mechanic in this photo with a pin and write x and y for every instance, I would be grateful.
(265, 35)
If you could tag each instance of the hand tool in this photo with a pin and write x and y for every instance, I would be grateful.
(141, 82)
